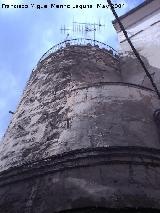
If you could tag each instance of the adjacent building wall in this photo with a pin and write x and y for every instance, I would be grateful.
(143, 27)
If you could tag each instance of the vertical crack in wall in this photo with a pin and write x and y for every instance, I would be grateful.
(32, 196)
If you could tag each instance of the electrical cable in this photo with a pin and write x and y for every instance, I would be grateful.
(133, 48)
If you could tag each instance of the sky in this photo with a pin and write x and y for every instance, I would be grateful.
(27, 33)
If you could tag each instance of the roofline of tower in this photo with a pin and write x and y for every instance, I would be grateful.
(79, 41)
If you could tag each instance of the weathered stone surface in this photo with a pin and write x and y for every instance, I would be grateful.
(41, 118)
(111, 186)
(83, 135)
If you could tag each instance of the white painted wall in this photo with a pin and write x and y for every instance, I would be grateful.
(146, 38)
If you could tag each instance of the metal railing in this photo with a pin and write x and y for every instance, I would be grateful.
(79, 41)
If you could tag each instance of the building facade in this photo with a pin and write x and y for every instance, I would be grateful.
(143, 27)
(83, 138)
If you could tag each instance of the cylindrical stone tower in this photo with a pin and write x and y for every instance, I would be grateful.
(81, 139)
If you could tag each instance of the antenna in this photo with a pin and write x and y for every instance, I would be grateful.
(83, 28)
(86, 27)
(67, 36)
(64, 29)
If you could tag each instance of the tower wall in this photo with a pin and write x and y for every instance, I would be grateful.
(44, 114)
(82, 136)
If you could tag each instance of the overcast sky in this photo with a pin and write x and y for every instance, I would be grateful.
(26, 33)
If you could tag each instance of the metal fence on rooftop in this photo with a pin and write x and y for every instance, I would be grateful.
(79, 41)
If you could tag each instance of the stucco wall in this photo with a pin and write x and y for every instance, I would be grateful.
(83, 135)
(145, 35)
(111, 185)
(79, 98)
(42, 115)
(143, 28)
